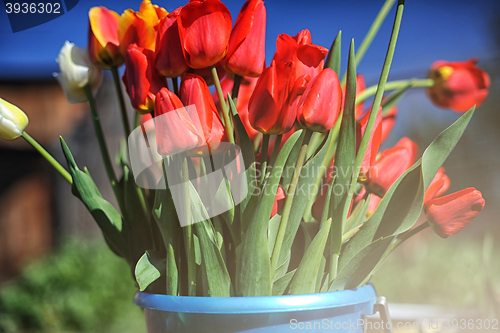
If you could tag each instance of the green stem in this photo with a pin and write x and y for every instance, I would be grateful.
(175, 85)
(276, 149)
(137, 120)
(102, 142)
(223, 105)
(236, 87)
(378, 97)
(121, 100)
(372, 32)
(288, 201)
(393, 85)
(188, 230)
(59, 168)
(263, 158)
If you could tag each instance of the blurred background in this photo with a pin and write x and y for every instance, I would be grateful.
(56, 274)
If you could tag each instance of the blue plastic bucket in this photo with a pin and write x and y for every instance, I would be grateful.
(339, 311)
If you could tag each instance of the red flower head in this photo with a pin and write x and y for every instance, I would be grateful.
(204, 29)
(439, 185)
(373, 144)
(268, 108)
(458, 85)
(245, 92)
(104, 49)
(450, 214)
(194, 91)
(319, 106)
(141, 79)
(278, 201)
(308, 58)
(175, 130)
(246, 50)
(392, 163)
(170, 60)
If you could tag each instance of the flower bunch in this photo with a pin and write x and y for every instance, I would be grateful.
(212, 203)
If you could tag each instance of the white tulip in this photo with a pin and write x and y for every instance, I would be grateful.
(13, 121)
(77, 71)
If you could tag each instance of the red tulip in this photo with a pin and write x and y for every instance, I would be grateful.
(319, 106)
(268, 108)
(245, 92)
(458, 85)
(175, 130)
(360, 87)
(246, 50)
(439, 185)
(373, 144)
(392, 163)
(194, 91)
(204, 29)
(141, 79)
(104, 49)
(450, 214)
(308, 58)
(170, 60)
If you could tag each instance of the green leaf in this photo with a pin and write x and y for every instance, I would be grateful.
(358, 215)
(290, 163)
(360, 266)
(253, 272)
(219, 282)
(333, 58)
(345, 158)
(304, 189)
(305, 279)
(280, 285)
(107, 217)
(401, 205)
(272, 231)
(321, 274)
(149, 268)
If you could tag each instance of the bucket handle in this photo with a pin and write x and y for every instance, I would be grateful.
(381, 307)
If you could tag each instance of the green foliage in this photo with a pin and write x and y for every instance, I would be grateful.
(82, 287)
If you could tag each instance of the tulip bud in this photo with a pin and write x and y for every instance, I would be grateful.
(458, 85)
(141, 79)
(170, 60)
(246, 50)
(319, 105)
(13, 121)
(267, 109)
(373, 143)
(175, 130)
(450, 214)
(77, 71)
(194, 91)
(204, 29)
(393, 162)
(104, 45)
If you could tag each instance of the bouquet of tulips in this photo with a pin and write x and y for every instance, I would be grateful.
(276, 184)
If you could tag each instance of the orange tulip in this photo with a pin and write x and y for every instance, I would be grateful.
(246, 50)
(319, 106)
(458, 85)
(388, 121)
(439, 185)
(104, 49)
(450, 214)
(170, 60)
(141, 79)
(204, 29)
(152, 13)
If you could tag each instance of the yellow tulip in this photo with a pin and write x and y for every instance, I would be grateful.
(13, 121)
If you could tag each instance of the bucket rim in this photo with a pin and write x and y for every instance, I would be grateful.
(256, 304)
